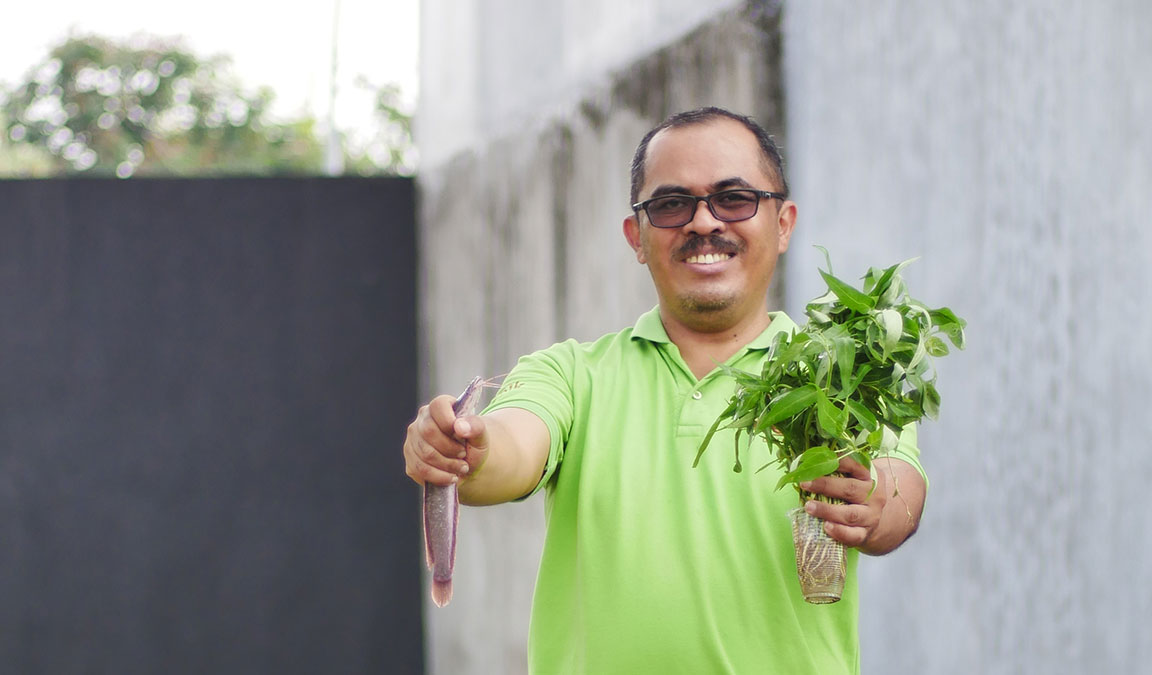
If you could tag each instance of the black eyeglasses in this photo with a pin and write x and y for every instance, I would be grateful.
(727, 205)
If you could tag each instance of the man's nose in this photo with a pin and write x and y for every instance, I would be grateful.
(703, 221)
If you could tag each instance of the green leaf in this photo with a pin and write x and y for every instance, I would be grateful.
(862, 457)
(883, 440)
(944, 316)
(712, 432)
(827, 257)
(845, 349)
(790, 351)
(931, 401)
(903, 411)
(832, 420)
(814, 463)
(853, 299)
(861, 413)
(744, 420)
(857, 378)
(816, 316)
(893, 294)
(891, 327)
(790, 404)
(936, 347)
(886, 278)
(921, 351)
(949, 324)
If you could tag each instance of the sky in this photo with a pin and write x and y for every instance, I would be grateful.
(284, 45)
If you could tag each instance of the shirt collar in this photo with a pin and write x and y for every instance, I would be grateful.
(650, 327)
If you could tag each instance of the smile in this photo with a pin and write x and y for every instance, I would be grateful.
(708, 258)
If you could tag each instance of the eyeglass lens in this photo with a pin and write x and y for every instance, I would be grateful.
(677, 210)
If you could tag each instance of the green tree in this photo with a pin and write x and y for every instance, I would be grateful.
(147, 106)
(390, 150)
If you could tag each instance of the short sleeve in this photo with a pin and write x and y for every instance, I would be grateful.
(907, 449)
(541, 383)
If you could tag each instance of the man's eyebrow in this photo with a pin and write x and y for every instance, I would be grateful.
(729, 183)
(725, 184)
(669, 190)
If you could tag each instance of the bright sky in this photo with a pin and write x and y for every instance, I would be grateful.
(283, 45)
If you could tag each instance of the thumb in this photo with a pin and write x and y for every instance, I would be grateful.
(474, 433)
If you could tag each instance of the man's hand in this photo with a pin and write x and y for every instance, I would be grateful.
(877, 519)
(442, 449)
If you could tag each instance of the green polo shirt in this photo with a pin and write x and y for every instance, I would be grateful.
(649, 565)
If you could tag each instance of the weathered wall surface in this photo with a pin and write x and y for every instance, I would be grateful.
(521, 246)
(1007, 144)
(489, 68)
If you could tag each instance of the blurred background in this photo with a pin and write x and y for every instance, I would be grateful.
(220, 87)
(1004, 144)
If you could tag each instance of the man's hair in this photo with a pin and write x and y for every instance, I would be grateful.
(773, 163)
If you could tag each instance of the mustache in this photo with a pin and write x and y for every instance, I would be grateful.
(712, 242)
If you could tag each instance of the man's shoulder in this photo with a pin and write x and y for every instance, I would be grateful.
(623, 341)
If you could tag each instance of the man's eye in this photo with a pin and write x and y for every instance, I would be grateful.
(735, 198)
(666, 204)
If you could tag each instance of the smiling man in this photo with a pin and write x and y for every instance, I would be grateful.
(650, 565)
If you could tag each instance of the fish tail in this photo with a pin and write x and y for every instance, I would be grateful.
(441, 592)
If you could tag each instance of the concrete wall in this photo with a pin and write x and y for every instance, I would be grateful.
(1006, 146)
(490, 67)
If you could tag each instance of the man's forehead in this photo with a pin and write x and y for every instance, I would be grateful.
(711, 154)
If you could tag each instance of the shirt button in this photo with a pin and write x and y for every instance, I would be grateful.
(697, 395)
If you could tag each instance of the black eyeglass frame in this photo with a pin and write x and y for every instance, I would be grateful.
(707, 199)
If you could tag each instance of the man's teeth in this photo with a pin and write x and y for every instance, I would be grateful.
(707, 258)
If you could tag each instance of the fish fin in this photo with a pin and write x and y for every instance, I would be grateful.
(441, 592)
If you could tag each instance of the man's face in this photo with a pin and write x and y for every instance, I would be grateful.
(710, 275)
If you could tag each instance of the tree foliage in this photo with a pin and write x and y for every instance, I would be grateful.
(390, 149)
(149, 106)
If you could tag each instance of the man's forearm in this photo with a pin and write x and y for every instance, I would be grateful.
(514, 462)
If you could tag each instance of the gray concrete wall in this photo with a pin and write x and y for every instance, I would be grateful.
(1008, 145)
(489, 68)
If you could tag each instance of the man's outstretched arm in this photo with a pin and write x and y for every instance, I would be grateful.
(494, 458)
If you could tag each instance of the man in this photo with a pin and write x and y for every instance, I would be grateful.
(649, 565)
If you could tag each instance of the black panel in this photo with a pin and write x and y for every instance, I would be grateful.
(204, 386)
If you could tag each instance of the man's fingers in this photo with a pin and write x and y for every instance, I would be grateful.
(424, 463)
(852, 515)
(426, 474)
(859, 503)
(850, 524)
(474, 434)
(432, 451)
(853, 484)
(850, 490)
(850, 467)
(849, 536)
(441, 414)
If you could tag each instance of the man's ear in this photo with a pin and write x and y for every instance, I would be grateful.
(786, 223)
(632, 234)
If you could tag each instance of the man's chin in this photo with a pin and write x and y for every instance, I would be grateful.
(706, 304)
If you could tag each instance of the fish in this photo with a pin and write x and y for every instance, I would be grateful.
(442, 511)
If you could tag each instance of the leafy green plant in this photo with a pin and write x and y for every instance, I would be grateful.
(847, 382)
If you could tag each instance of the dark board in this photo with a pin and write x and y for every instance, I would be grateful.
(204, 386)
